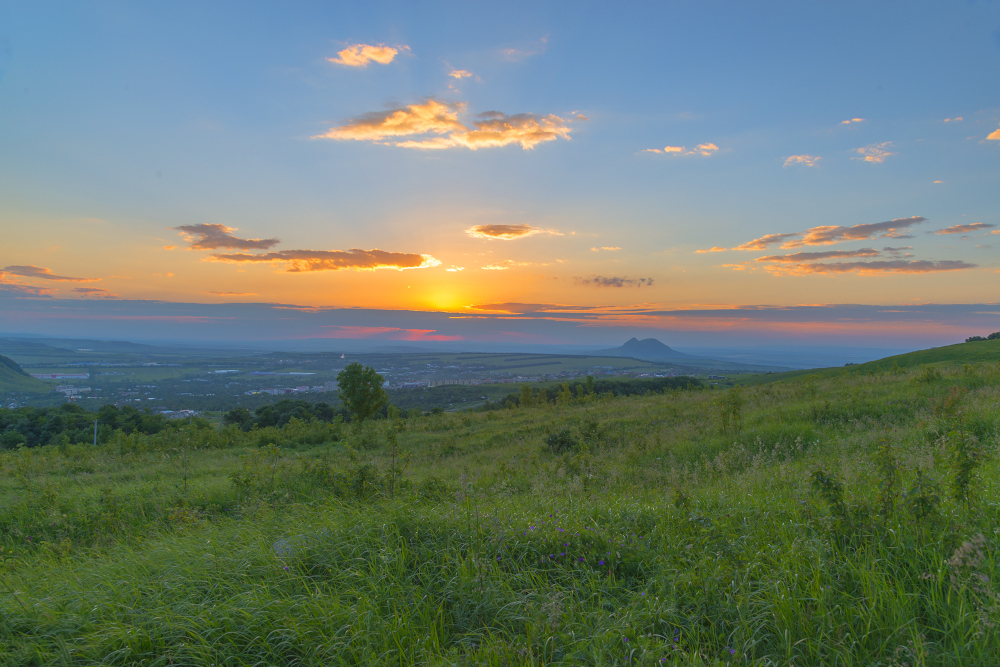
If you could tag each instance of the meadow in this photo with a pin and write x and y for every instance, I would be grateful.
(829, 519)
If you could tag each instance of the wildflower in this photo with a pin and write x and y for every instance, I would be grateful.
(600, 562)
(286, 568)
(581, 559)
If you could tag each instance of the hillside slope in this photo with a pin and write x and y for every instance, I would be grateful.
(13, 378)
(949, 355)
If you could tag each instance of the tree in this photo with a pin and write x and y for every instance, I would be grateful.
(993, 336)
(361, 390)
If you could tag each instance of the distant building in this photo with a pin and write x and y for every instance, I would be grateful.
(61, 376)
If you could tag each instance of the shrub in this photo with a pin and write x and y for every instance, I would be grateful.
(562, 441)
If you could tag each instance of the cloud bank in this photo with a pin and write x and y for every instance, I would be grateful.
(704, 150)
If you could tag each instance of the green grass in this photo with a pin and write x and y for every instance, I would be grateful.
(950, 355)
(678, 529)
(13, 378)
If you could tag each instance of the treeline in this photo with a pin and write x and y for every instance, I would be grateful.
(70, 423)
(569, 392)
(993, 336)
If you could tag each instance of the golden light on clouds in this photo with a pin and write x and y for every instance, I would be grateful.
(962, 229)
(213, 236)
(852, 120)
(298, 261)
(829, 234)
(874, 152)
(493, 129)
(714, 249)
(29, 271)
(807, 160)
(701, 149)
(359, 55)
(870, 268)
(507, 232)
(994, 135)
(459, 74)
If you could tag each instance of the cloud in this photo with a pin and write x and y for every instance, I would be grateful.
(95, 292)
(493, 129)
(714, 249)
(359, 55)
(953, 120)
(961, 229)
(212, 236)
(612, 248)
(852, 120)
(994, 135)
(456, 269)
(701, 149)
(830, 234)
(613, 281)
(8, 286)
(764, 241)
(214, 293)
(874, 152)
(43, 273)
(812, 256)
(507, 232)
(333, 260)
(431, 116)
(871, 268)
(170, 247)
(459, 74)
(807, 160)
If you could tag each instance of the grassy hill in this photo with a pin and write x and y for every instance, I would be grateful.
(847, 521)
(950, 355)
(13, 378)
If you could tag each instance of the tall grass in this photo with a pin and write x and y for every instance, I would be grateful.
(801, 524)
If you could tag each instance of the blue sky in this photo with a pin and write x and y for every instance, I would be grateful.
(121, 122)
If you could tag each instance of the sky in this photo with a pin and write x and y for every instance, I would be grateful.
(711, 172)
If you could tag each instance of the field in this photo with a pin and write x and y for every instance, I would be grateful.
(848, 519)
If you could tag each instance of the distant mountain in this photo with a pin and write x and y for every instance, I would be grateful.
(649, 348)
(13, 378)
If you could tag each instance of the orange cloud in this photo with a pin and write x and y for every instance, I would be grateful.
(431, 116)
(494, 129)
(807, 160)
(359, 55)
(459, 74)
(829, 234)
(994, 135)
(507, 232)
(961, 229)
(871, 268)
(853, 120)
(953, 120)
(712, 249)
(874, 152)
(607, 248)
(212, 236)
(14, 287)
(701, 149)
(812, 256)
(43, 273)
(214, 293)
(170, 247)
(333, 260)
(764, 241)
